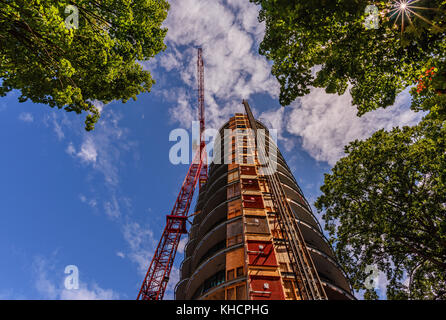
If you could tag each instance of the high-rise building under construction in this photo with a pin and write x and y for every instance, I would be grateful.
(253, 234)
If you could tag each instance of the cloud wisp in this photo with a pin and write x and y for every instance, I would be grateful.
(26, 117)
(229, 34)
(328, 122)
(52, 288)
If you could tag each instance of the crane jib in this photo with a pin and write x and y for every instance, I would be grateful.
(157, 276)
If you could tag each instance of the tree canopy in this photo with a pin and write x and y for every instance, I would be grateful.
(385, 205)
(325, 43)
(71, 68)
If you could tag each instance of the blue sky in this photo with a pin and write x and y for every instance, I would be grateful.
(98, 200)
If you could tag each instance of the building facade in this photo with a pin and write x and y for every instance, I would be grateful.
(236, 248)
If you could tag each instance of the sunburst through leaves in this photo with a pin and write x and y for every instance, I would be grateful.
(405, 10)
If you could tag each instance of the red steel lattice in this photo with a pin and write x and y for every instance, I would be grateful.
(157, 277)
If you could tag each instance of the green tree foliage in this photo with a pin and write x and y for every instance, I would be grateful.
(303, 36)
(385, 205)
(71, 68)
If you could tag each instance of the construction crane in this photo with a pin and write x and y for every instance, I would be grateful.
(157, 277)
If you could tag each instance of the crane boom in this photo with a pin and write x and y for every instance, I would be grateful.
(200, 78)
(157, 276)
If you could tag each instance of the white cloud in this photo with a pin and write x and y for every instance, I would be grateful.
(275, 120)
(173, 280)
(99, 105)
(53, 289)
(112, 208)
(229, 34)
(42, 283)
(182, 244)
(70, 149)
(91, 202)
(102, 147)
(86, 293)
(88, 152)
(328, 122)
(247, 16)
(183, 112)
(101, 150)
(59, 122)
(382, 283)
(142, 245)
(26, 117)
(58, 129)
(170, 61)
(11, 294)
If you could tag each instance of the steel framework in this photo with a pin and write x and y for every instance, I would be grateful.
(157, 276)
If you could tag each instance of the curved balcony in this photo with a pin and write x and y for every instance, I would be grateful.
(218, 183)
(314, 238)
(335, 293)
(214, 200)
(217, 214)
(284, 172)
(185, 269)
(180, 289)
(190, 246)
(216, 177)
(326, 266)
(192, 231)
(303, 214)
(206, 269)
(201, 197)
(289, 182)
(221, 286)
(218, 217)
(216, 168)
(216, 235)
(283, 168)
(221, 193)
(211, 220)
(293, 194)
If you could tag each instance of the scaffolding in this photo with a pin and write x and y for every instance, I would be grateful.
(307, 279)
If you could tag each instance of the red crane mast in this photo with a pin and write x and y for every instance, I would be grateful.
(157, 277)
